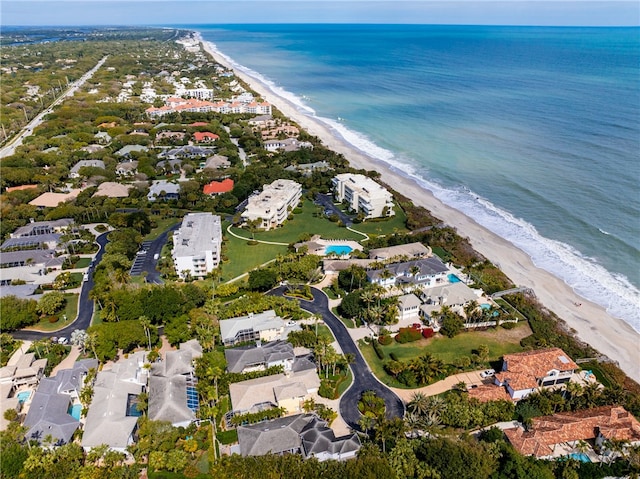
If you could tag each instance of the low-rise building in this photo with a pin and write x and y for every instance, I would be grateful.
(127, 168)
(403, 252)
(303, 434)
(173, 396)
(363, 195)
(218, 187)
(205, 137)
(75, 169)
(548, 436)
(266, 326)
(274, 204)
(54, 409)
(164, 190)
(409, 275)
(258, 358)
(523, 373)
(288, 144)
(112, 417)
(197, 245)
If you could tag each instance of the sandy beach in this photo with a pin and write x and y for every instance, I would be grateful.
(610, 336)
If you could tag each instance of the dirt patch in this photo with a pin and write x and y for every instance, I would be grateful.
(514, 335)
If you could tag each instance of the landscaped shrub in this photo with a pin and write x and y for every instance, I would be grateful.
(427, 332)
(509, 325)
(385, 340)
(393, 356)
(378, 350)
(326, 389)
(407, 335)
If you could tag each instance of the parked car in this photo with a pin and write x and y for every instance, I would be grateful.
(63, 340)
(487, 373)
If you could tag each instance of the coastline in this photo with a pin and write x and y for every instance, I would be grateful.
(592, 324)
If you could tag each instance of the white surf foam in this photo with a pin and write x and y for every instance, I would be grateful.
(587, 278)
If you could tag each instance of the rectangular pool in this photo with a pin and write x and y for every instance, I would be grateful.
(75, 411)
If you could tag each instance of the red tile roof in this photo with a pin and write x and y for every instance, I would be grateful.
(199, 123)
(218, 187)
(489, 392)
(21, 187)
(524, 369)
(205, 135)
(547, 431)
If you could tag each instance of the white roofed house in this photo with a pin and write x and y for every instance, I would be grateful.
(164, 190)
(273, 205)
(408, 308)
(265, 326)
(409, 275)
(257, 358)
(127, 168)
(112, 417)
(197, 245)
(363, 195)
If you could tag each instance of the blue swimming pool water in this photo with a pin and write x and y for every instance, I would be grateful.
(580, 456)
(453, 278)
(339, 249)
(485, 306)
(132, 406)
(75, 411)
(23, 396)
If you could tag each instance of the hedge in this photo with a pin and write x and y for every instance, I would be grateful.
(378, 350)
(407, 335)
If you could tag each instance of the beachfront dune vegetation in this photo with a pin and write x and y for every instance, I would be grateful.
(129, 311)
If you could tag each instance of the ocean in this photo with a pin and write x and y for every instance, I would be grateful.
(532, 131)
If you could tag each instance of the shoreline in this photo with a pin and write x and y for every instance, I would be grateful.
(612, 337)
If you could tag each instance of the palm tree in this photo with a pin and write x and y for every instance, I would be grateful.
(146, 324)
(419, 404)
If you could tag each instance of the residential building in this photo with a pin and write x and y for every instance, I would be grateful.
(172, 386)
(171, 135)
(128, 149)
(36, 228)
(112, 417)
(164, 190)
(307, 169)
(103, 137)
(112, 189)
(409, 308)
(300, 434)
(409, 275)
(75, 169)
(175, 105)
(216, 162)
(288, 144)
(548, 436)
(363, 195)
(54, 402)
(186, 151)
(127, 168)
(205, 137)
(266, 326)
(218, 187)
(22, 369)
(197, 245)
(450, 294)
(274, 204)
(523, 373)
(286, 390)
(51, 200)
(258, 358)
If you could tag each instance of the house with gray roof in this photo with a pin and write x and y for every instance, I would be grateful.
(128, 149)
(407, 251)
(112, 418)
(50, 410)
(45, 241)
(37, 228)
(74, 172)
(303, 434)
(172, 386)
(258, 358)
(266, 326)
(102, 137)
(164, 190)
(127, 168)
(408, 275)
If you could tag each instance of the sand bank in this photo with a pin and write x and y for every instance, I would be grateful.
(611, 336)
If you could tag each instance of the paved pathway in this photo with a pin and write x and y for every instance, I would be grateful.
(250, 239)
(67, 363)
(469, 378)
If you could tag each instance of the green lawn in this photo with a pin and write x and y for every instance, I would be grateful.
(345, 383)
(395, 224)
(302, 223)
(500, 342)
(162, 225)
(347, 321)
(242, 257)
(70, 310)
(82, 263)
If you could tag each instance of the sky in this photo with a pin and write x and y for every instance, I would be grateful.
(185, 12)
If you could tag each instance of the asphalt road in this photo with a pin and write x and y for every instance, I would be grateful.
(146, 262)
(326, 201)
(363, 378)
(85, 304)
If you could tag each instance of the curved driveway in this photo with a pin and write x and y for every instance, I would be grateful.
(85, 304)
(363, 378)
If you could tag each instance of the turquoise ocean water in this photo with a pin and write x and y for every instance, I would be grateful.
(534, 132)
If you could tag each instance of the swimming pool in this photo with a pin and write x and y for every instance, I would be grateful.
(75, 411)
(23, 396)
(485, 306)
(453, 278)
(338, 249)
(580, 456)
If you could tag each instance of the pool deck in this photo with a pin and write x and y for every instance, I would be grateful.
(317, 245)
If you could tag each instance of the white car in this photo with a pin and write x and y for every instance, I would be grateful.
(63, 340)
(487, 373)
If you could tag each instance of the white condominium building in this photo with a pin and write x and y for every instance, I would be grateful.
(197, 244)
(363, 195)
(273, 204)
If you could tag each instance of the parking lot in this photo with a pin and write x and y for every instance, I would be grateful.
(138, 263)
